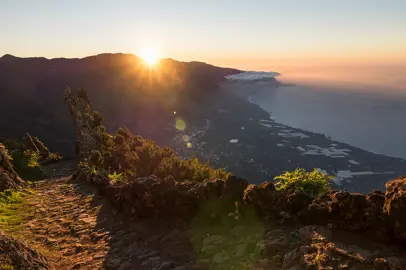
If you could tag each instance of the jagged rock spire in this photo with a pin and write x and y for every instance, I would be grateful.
(86, 122)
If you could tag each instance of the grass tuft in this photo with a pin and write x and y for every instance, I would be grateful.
(10, 202)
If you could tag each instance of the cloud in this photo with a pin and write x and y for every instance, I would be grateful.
(252, 76)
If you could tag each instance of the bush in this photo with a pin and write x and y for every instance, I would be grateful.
(28, 156)
(312, 183)
(116, 178)
(27, 165)
(10, 200)
(126, 155)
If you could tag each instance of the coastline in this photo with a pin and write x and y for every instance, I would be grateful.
(364, 120)
(243, 138)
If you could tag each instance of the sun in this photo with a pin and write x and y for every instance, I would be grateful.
(150, 56)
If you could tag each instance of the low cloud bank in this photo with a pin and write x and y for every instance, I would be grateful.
(252, 76)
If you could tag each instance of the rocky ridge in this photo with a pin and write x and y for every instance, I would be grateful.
(376, 216)
(90, 221)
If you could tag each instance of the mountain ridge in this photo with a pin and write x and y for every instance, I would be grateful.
(119, 84)
(8, 56)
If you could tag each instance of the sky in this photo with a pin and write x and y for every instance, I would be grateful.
(255, 35)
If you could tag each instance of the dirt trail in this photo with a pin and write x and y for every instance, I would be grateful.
(73, 225)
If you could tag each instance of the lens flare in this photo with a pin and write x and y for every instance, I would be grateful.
(180, 124)
(185, 138)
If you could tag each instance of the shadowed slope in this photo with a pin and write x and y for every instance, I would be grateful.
(119, 84)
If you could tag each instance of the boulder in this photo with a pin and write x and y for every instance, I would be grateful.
(151, 196)
(376, 223)
(376, 198)
(207, 189)
(297, 201)
(347, 210)
(350, 211)
(265, 200)
(395, 206)
(315, 213)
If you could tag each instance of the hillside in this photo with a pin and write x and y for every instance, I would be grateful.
(131, 204)
(120, 85)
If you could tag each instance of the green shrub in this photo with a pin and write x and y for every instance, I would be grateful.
(126, 155)
(10, 200)
(116, 178)
(32, 158)
(27, 165)
(28, 155)
(313, 183)
(10, 196)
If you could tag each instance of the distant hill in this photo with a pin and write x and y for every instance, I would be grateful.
(121, 86)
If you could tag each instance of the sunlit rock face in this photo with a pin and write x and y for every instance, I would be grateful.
(86, 122)
(395, 206)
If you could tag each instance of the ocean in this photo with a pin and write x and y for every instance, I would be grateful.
(371, 118)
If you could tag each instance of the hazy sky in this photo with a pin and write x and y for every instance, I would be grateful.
(246, 34)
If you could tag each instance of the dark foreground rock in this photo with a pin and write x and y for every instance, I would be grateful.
(16, 255)
(150, 196)
(315, 247)
(374, 215)
(338, 209)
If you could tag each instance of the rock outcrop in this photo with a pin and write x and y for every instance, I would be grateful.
(318, 247)
(16, 255)
(150, 196)
(86, 121)
(395, 206)
(8, 177)
(376, 216)
(338, 209)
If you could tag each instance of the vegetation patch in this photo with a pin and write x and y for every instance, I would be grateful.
(28, 157)
(10, 202)
(313, 183)
(27, 165)
(124, 155)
